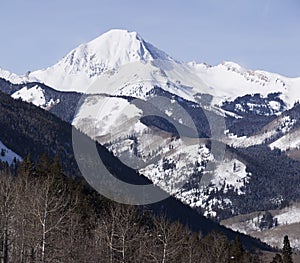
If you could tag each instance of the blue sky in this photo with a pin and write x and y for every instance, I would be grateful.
(258, 34)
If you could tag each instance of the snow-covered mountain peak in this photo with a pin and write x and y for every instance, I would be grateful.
(111, 50)
(115, 48)
(126, 46)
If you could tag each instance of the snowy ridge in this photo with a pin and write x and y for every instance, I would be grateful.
(229, 80)
(13, 78)
(111, 118)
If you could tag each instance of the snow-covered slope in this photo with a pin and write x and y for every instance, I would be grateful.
(229, 80)
(7, 155)
(174, 164)
(34, 95)
(107, 119)
(79, 68)
(278, 129)
(287, 223)
(289, 141)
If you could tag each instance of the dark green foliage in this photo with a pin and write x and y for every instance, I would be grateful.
(254, 118)
(248, 125)
(259, 105)
(287, 251)
(2, 152)
(274, 176)
(26, 129)
(267, 221)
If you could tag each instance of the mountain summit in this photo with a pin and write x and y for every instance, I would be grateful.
(109, 51)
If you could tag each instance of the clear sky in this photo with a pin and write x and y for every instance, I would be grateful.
(258, 34)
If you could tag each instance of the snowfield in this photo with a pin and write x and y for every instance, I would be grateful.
(288, 141)
(34, 95)
(13, 78)
(7, 155)
(289, 215)
(112, 117)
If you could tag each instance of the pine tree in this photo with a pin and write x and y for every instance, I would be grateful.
(287, 251)
(2, 152)
(26, 167)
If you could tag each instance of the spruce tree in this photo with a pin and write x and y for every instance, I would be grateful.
(26, 167)
(287, 251)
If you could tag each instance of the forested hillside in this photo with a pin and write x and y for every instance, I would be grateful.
(49, 217)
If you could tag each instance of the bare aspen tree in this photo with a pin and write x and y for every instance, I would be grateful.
(7, 205)
(168, 240)
(120, 226)
(50, 210)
